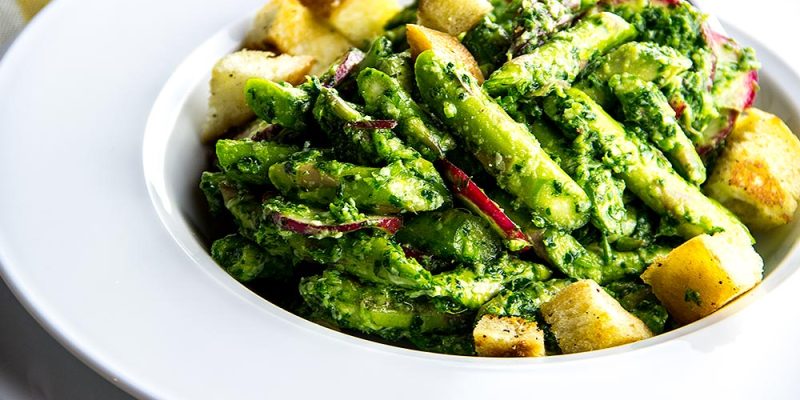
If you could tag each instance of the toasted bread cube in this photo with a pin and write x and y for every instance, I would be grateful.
(362, 20)
(584, 317)
(226, 105)
(291, 28)
(758, 175)
(452, 16)
(508, 337)
(702, 275)
(421, 38)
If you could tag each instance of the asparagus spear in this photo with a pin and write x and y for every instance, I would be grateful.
(307, 221)
(524, 302)
(604, 190)
(472, 286)
(280, 103)
(504, 147)
(638, 299)
(378, 259)
(645, 106)
(564, 252)
(644, 169)
(647, 61)
(248, 161)
(283, 104)
(358, 137)
(380, 310)
(689, 92)
(372, 258)
(453, 235)
(392, 189)
(245, 260)
(539, 19)
(600, 264)
(558, 61)
(385, 96)
(209, 185)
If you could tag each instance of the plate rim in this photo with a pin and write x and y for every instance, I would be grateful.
(117, 375)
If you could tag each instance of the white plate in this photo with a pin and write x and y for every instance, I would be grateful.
(120, 280)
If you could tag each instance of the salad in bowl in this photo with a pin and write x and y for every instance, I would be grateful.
(496, 178)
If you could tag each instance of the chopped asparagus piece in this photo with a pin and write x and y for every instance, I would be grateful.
(245, 260)
(524, 302)
(645, 170)
(473, 286)
(557, 62)
(389, 190)
(379, 310)
(247, 161)
(385, 96)
(504, 147)
(639, 300)
(645, 106)
(647, 61)
(453, 235)
(604, 190)
(538, 19)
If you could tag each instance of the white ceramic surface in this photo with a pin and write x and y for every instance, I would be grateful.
(86, 251)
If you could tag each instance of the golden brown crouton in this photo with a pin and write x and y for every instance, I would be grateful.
(583, 317)
(291, 28)
(358, 20)
(362, 20)
(508, 337)
(758, 174)
(226, 105)
(702, 275)
(452, 16)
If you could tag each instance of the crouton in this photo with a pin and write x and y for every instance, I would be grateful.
(226, 105)
(508, 337)
(702, 275)
(289, 27)
(584, 317)
(421, 38)
(452, 16)
(757, 175)
(362, 20)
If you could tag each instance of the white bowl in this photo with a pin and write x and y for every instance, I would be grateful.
(134, 293)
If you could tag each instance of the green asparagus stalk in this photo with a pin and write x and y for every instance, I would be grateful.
(472, 286)
(604, 190)
(524, 302)
(389, 190)
(380, 310)
(504, 147)
(645, 170)
(247, 161)
(280, 103)
(557, 62)
(246, 261)
(384, 96)
(452, 235)
(645, 106)
(374, 259)
(538, 19)
(647, 61)
(638, 299)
